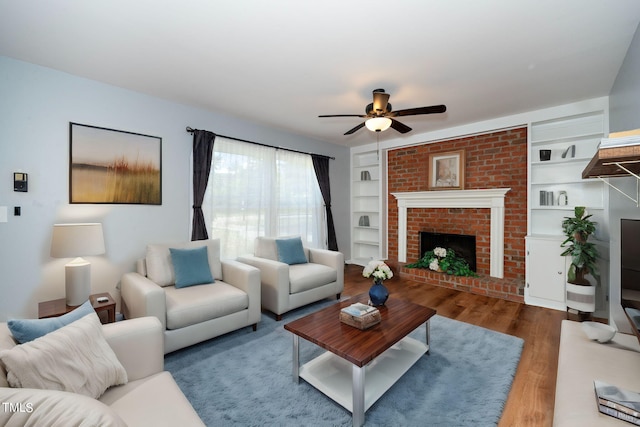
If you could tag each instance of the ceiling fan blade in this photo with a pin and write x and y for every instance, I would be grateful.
(343, 115)
(350, 131)
(380, 101)
(400, 127)
(434, 109)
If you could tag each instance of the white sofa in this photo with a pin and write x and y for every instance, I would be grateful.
(151, 397)
(580, 362)
(286, 287)
(192, 314)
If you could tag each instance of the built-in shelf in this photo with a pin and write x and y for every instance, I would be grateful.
(570, 143)
(567, 208)
(367, 217)
(365, 242)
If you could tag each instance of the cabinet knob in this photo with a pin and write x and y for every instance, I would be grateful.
(559, 272)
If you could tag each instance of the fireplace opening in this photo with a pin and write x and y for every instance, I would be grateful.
(462, 244)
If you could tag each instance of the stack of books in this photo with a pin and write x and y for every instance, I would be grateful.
(621, 139)
(617, 402)
(361, 316)
(617, 155)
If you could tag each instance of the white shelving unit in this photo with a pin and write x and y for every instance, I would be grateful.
(367, 218)
(572, 140)
(564, 174)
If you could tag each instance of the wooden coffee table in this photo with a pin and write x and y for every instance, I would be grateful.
(382, 353)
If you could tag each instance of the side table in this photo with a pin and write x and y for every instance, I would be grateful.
(58, 307)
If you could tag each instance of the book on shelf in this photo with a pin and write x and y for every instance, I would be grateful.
(358, 309)
(547, 198)
(617, 402)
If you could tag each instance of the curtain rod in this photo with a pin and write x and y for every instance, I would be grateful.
(191, 130)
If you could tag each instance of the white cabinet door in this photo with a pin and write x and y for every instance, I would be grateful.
(545, 273)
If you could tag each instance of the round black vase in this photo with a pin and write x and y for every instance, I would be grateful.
(378, 294)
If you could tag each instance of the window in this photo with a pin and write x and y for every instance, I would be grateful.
(261, 191)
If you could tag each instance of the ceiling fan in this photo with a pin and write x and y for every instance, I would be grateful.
(380, 115)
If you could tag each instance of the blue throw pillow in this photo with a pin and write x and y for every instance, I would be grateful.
(25, 330)
(191, 266)
(290, 251)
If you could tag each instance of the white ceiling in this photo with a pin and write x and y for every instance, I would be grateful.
(284, 62)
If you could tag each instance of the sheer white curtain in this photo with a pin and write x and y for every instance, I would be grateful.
(261, 191)
(300, 205)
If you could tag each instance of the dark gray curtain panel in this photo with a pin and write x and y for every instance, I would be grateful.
(321, 167)
(202, 156)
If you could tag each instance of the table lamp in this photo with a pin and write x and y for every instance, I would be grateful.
(77, 240)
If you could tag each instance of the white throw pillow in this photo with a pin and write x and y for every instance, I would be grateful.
(265, 247)
(74, 358)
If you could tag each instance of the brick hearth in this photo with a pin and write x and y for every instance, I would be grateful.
(494, 160)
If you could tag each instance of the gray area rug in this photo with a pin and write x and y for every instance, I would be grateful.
(244, 379)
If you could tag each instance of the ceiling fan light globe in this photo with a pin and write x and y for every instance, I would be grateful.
(378, 124)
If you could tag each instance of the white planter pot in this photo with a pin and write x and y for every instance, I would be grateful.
(582, 298)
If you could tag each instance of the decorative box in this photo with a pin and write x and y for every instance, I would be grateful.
(364, 321)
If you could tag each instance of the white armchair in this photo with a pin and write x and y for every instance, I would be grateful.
(318, 274)
(193, 313)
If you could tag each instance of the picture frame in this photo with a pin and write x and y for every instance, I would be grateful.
(109, 166)
(446, 170)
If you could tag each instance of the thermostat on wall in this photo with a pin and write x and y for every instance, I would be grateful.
(20, 182)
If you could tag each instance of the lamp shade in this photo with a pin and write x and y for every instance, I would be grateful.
(77, 240)
(378, 124)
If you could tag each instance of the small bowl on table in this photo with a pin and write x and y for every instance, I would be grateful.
(597, 331)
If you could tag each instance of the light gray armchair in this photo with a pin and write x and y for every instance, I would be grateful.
(315, 274)
(193, 313)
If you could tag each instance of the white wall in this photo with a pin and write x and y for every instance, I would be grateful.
(624, 114)
(36, 106)
(624, 102)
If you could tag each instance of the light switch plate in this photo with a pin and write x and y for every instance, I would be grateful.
(3, 214)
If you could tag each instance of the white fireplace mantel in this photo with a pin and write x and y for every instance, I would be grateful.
(492, 198)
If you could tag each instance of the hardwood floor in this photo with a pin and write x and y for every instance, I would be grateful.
(531, 399)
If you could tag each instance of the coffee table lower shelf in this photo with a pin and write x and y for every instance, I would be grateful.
(337, 377)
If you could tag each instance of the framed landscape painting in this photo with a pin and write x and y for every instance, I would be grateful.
(446, 171)
(113, 166)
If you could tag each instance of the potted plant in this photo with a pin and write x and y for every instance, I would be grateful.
(584, 255)
(444, 261)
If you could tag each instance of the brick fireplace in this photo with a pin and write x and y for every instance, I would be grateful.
(493, 161)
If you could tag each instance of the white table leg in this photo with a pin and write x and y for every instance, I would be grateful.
(357, 414)
(296, 358)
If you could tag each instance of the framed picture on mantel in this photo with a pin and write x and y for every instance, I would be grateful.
(446, 170)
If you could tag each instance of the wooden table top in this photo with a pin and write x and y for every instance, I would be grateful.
(324, 328)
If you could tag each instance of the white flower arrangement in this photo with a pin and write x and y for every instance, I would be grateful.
(378, 269)
(444, 260)
(440, 252)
